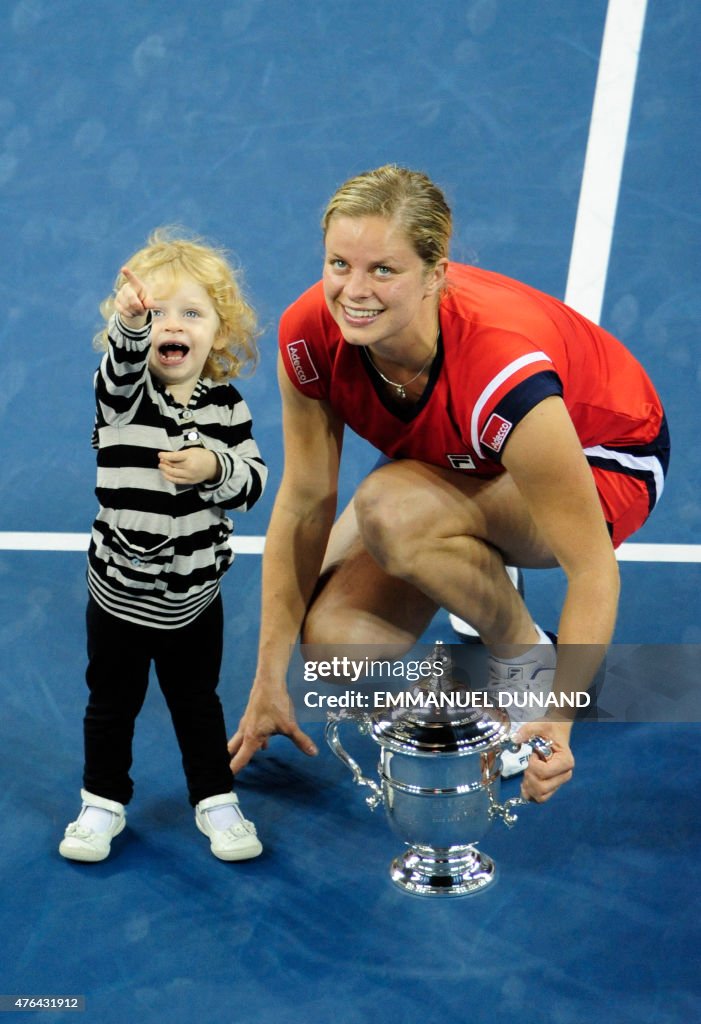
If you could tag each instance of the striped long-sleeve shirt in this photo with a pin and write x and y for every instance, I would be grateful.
(158, 550)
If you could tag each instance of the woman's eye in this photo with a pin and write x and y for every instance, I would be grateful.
(338, 264)
(383, 271)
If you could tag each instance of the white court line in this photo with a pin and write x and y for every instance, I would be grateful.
(591, 245)
(19, 541)
(603, 163)
(659, 553)
(253, 545)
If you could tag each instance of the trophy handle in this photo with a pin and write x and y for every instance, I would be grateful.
(334, 741)
(543, 748)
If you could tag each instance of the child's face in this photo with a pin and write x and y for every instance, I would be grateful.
(184, 327)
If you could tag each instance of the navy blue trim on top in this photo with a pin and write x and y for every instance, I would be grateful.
(521, 399)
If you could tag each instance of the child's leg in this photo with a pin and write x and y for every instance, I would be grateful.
(188, 662)
(117, 677)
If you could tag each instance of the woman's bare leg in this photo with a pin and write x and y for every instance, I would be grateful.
(417, 538)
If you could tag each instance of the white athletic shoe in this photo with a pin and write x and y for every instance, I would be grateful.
(513, 762)
(81, 842)
(519, 681)
(466, 632)
(237, 840)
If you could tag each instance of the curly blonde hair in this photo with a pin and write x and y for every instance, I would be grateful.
(168, 251)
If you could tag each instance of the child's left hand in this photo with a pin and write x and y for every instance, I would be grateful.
(189, 466)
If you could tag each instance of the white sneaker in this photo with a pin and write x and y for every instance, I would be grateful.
(513, 762)
(517, 682)
(238, 839)
(466, 632)
(524, 685)
(81, 842)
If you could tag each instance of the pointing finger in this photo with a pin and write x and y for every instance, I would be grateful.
(139, 287)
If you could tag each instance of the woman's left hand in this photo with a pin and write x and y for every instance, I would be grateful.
(543, 777)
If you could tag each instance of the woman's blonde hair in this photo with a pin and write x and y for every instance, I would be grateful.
(168, 252)
(408, 197)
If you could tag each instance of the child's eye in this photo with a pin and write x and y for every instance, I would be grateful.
(156, 312)
(192, 313)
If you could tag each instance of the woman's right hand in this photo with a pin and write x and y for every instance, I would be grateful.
(268, 714)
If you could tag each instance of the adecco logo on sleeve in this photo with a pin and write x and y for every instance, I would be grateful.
(302, 362)
(495, 432)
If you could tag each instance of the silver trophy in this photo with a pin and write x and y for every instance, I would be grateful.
(439, 780)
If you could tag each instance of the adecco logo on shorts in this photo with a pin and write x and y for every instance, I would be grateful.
(302, 362)
(495, 432)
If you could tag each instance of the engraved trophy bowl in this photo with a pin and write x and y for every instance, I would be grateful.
(439, 781)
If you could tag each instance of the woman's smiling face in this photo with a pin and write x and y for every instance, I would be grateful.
(375, 284)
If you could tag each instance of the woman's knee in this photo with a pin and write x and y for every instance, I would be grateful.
(395, 518)
(337, 628)
(359, 604)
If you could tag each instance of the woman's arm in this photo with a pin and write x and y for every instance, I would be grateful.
(545, 459)
(296, 540)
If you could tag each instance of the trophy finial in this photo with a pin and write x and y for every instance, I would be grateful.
(440, 656)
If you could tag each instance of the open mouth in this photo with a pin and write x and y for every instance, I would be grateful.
(360, 316)
(171, 353)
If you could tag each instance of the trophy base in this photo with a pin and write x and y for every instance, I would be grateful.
(457, 871)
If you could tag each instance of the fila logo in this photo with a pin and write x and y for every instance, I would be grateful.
(495, 432)
(301, 361)
(461, 461)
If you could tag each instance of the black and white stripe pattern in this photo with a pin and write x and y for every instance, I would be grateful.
(158, 550)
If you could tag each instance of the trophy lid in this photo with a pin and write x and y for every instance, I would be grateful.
(415, 731)
(441, 716)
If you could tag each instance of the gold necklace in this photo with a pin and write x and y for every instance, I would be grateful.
(401, 388)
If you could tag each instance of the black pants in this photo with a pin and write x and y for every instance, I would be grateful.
(187, 663)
